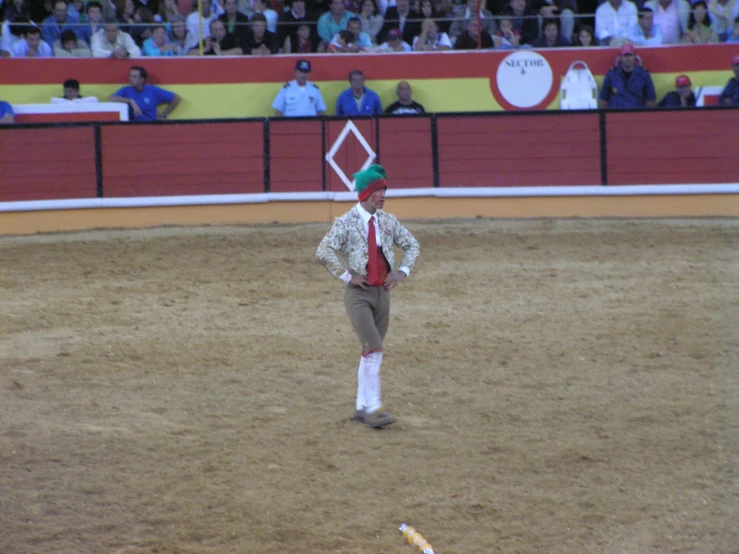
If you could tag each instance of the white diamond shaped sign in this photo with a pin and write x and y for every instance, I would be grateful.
(371, 156)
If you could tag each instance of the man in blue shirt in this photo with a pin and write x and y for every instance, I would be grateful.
(681, 97)
(58, 22)
(627, 85)
(299, 97)
(358, 100)
(7, 115)
(730, 94)
(143, 99)
(333, 21)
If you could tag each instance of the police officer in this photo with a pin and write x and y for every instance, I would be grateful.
(299, 98)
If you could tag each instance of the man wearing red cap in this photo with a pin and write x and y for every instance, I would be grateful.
(681, 97)
(730, 94)
(627, 85)
(359, 250)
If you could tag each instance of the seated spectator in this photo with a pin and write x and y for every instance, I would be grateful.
(357, 99)
(110, 42)
(427, 10)
(304, 42)
(219, 43)
(466, 12)
(628, 85)
(71, 93)
(395, 43)
(613, 19)
(57, 22)
(7, 115)
(507, 36)
(524, 19)
(94, 23)
(550, 36)
(333, 21)
(197, 24)
(430, 38)
(405, 104)
(724, 14)
(402, 17)
(180, 36)
(564, 10)
(700, 29)
(158, 44)
(468, 39)
(143, 99)
(11, 32)
(32, 46)
(69, 47)
(734, 35)
(16, 8)
(646, 32)
(681, 97)
(168, 11)
(126, 16)
(290, 20)
(237, 24)
(144, 19)
(371, 19)
(260, 6)
(672, 18)
(352, 39)
(260, 42)
(585, 37)
(730, 95)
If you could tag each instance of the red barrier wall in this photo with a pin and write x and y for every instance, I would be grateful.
(183, 159)
(47, 164)
(673, 147)
(405, 151)
(295, 155)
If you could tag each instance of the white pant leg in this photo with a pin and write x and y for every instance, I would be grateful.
(361, 385)
(373, 390)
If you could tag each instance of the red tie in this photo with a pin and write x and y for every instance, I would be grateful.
(372, 244)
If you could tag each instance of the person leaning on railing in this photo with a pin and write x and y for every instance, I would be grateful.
(111, 42)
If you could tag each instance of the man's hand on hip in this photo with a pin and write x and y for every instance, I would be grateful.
(393, 279)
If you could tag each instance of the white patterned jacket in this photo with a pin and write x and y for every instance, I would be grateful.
(344, 248)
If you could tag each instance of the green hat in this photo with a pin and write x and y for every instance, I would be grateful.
(370, 180)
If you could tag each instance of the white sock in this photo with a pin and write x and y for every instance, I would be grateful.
(361, 385)
(372, 391)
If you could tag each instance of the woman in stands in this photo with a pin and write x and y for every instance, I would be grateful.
(371, 19)
(700, 29)
(585, 36)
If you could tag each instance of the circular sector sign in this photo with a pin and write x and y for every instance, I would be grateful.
(524, 79)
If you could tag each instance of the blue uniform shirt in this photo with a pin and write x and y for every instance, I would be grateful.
(148, 100)
(346, 104)
(731, 92)
(296, 101)
(6, 108)
(633, 93)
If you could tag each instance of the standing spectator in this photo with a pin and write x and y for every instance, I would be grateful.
(627, 85)
(219, 43)
(357, 99)
(700, 29)
(405, 104)
(196, 23)
(371, 19)
(306, 41)
(585, 37)
(681, 97)
(730, 95)
(7, 115)
(158, 44)
(260, 42)
(466, 12)
(468, 39)
(733, 36)
(525, 20)
(299, 97)
(237, 24)
(395, 43)
(359, 250)
(672, 17)
(550, 37)
(57, 22)
(646, 32)
(94, 11)
(723, 13)
(507, 35)
(32, 46)
(402, 17)
(333, 21)
(144, 99)
(270, 15)
(613, 19)
(110, 42)
(69, 47)
(430, 38)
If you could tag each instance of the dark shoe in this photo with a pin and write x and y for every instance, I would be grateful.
(378, 419)
(358, 416)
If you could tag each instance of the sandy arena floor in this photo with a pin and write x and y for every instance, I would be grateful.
(561, 387)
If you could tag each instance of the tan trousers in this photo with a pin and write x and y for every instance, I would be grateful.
(369, 312)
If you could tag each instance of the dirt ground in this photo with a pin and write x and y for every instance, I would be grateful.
(560, 387)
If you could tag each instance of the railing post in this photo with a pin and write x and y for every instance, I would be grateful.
(266, 156)
(98, 159)
(603, 149)
(377, 138)
(323, 153)
(435, 150)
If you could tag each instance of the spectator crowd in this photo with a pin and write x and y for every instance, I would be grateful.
(134, 28)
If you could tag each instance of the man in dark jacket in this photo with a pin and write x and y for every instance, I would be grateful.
(730, 94)
(681, 97)
(402, 17)
(525, 20)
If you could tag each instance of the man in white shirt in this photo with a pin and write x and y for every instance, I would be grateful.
(111, 42)
(646, 32)
(32, 46)
(672, 18)
(613, 19)
(195, 24)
